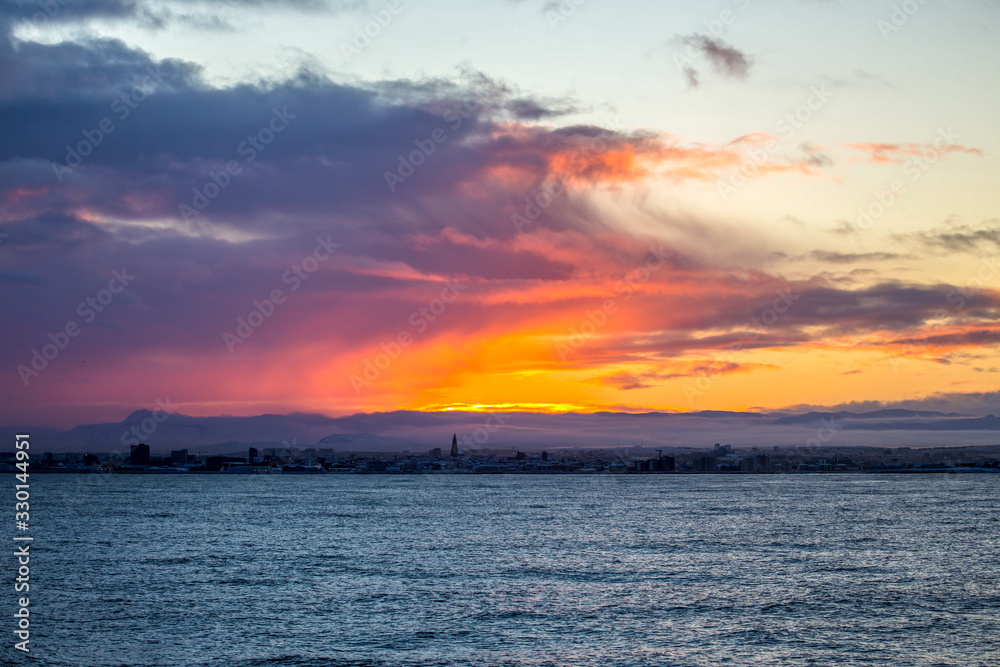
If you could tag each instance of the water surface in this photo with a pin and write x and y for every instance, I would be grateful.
(249, 571)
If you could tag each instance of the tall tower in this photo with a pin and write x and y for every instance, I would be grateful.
(454, 444)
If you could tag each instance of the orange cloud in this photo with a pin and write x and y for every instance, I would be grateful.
(894, 153)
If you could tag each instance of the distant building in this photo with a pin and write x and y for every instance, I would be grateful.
(454, 444)
(139, 455)
(219, 461)
(252, 455)
(663, 464)
(704, 464)
(178, 456)
(436, 453)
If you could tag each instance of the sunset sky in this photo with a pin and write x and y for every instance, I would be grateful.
(586, 206)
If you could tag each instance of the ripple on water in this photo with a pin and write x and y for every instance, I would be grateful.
(320, 571)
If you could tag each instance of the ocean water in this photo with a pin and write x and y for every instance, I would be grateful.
(254, 571)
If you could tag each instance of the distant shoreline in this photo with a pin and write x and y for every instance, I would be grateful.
(929, 471)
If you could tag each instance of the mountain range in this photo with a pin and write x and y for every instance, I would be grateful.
(420, 431)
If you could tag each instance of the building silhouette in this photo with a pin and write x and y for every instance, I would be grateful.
(454, 444)
(705, 464)
(139, 455)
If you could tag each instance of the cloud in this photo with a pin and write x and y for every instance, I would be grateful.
(890, 317)
(159, 14)
(982, 239)
(882, 153)
(705, 368)
(834, 257)
(815, 156)
(725, 60)
(692, 76)
(450, 219)
(170, 132)
(957, 403)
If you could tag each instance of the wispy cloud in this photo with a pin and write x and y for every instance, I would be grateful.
(725, 59)
(896, 153)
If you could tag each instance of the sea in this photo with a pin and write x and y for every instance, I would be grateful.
(603, 570)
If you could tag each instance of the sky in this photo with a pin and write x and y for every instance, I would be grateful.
(328, 206)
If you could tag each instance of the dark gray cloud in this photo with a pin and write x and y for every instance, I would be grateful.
(981, 239)
(169, 132)
(692, 76)
(815, 156)
(158, 14)
(834, 257)
(953, 403)
(725, 59)
(776, 314)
